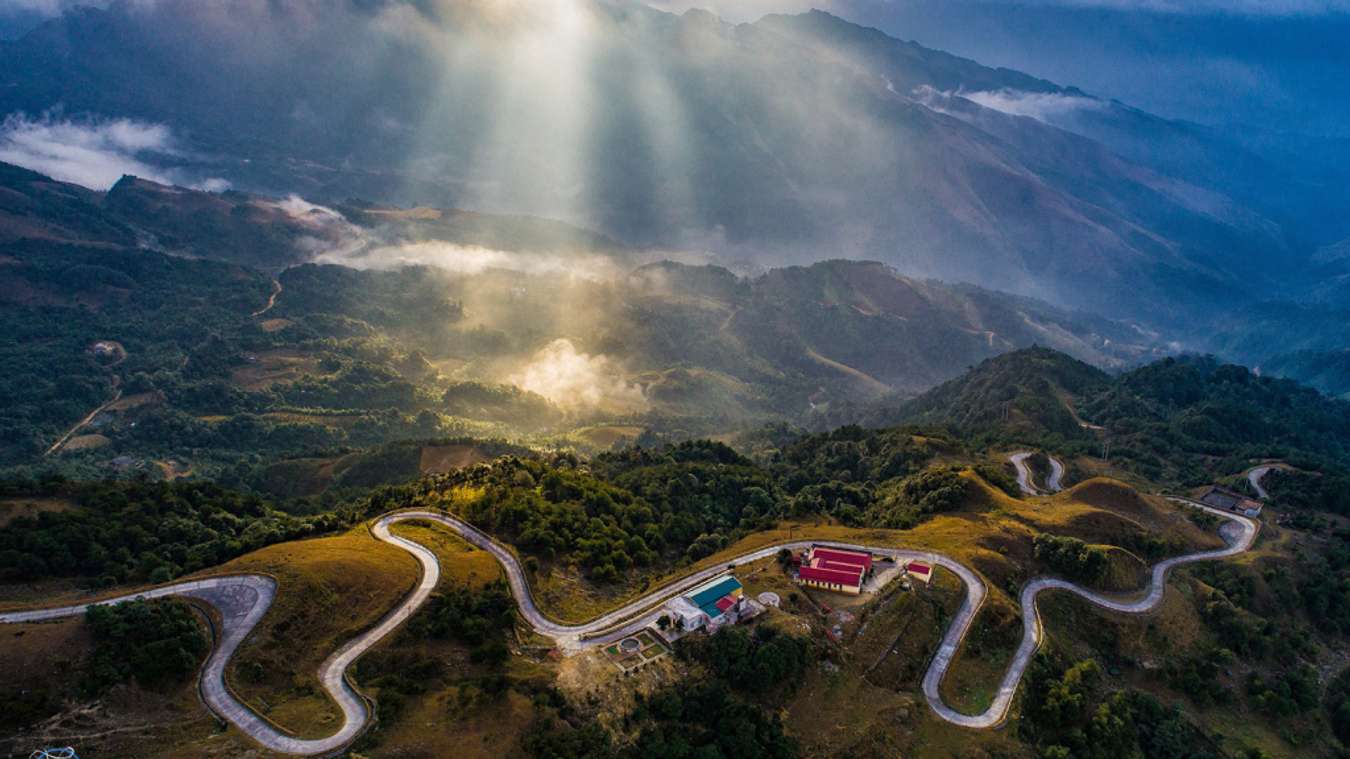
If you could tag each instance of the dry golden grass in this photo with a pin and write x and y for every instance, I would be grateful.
(452, 718)
(605, 436)
(173, 470)
(439, 459)
(868, 703)
(137, 400)
(124, 721)
(992, 534)
(344, 421)
(17, 508)
(436, 725)
(329, 590)
(281, 366)
(461, 563)
(31, 653)
(1079, 630)
(274, 325)
(86, 442)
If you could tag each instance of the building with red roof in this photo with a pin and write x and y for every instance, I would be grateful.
(835, 569)
(919, 571)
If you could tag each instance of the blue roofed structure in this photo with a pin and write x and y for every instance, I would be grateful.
(716, 596)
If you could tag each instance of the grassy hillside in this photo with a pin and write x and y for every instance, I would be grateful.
(594, 533)
(1028, 392)
(1181, 421)
(224, 368)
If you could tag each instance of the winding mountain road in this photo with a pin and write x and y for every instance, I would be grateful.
(1025, 480)
(242, 600)
(1055, 482)
(1255, 476)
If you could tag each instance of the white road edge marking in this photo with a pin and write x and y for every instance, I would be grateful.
(244, 599)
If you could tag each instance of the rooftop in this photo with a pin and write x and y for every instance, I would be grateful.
(709, 596)
(851, 576)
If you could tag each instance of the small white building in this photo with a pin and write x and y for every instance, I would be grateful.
(684, 615)
(709, 606)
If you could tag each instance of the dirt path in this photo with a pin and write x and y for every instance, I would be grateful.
(117, 396)
(872, 383)
(243, 600)
(271, 299)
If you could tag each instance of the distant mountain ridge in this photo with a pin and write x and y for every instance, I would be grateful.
(685, 342)
(1171, 419)
(792, 139)
(255, 230)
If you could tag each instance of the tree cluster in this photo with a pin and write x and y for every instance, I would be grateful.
(151, 642)
(1072, 557)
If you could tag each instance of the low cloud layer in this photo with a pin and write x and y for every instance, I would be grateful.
(578, 382)
(742, 10)
(94, 153)
(1244, 7)
(367, 253)
(1043, 106)
(749, 10)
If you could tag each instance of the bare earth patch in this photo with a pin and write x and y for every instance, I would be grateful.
(275, 325)
(281, 366)
(439, 459)
(86, 442)
(15, 508)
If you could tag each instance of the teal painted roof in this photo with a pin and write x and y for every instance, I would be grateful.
(707, 598)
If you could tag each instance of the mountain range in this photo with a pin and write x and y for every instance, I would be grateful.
(518, 325)
(685, 132)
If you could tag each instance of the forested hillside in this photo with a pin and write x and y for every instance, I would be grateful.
(1180, 420)
(146, 346)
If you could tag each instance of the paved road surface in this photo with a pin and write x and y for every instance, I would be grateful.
(1024, 481)
(244, 599)
(1056, 480)
(1255, 476)
(1239, 534)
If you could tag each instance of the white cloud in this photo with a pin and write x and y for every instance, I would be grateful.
(741, 10)
(579, 382)
(1200, 7)
(213, 184)
(1043, 106)
(94, 154)
(749, 10)
(464, 259)
(57, 7)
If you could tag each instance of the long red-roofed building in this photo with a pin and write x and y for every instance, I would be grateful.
(835, 569)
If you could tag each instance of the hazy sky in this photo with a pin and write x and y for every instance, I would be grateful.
(1272, 63)
(1276, 64)
(747, 10)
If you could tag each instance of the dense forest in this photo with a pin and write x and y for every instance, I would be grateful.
(143, 532)
(1181, 421)
(633, 508)
(724, 714)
